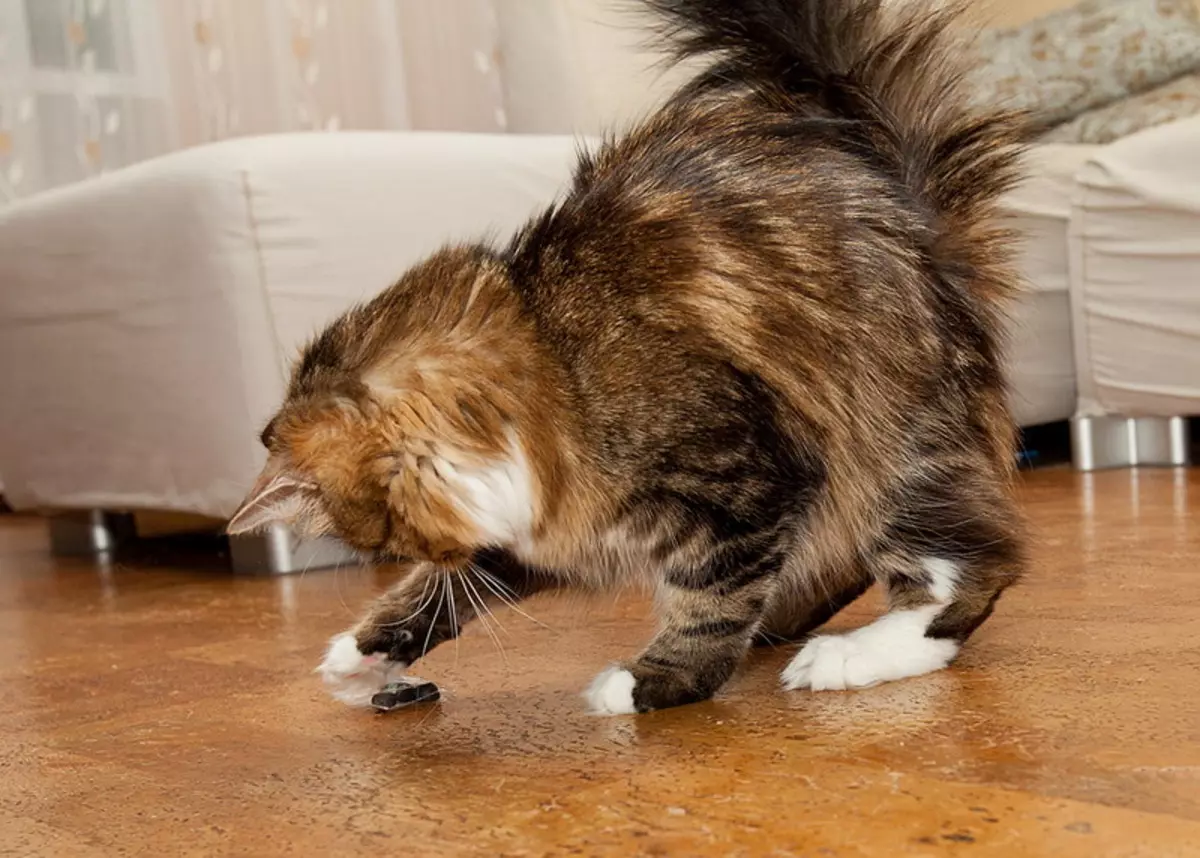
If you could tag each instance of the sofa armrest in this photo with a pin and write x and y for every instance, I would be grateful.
(1135, 274)
(147, 318)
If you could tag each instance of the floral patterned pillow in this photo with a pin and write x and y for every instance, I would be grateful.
(1178, 99)
(1087, 56)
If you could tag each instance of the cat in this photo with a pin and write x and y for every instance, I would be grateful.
(751, 359)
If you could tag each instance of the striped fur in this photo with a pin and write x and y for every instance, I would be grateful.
(752, 359)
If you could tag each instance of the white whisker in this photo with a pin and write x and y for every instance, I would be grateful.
(504, 586)
(425, 600)
(337, 586)
(491, 581)
(486, 606)
(482, 610)
(455, 628)
(437, 612)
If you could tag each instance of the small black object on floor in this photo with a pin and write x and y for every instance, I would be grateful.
(397, 695)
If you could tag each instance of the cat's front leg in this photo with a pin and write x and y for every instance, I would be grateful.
(708, 620)
(398, 628)
(428, 607)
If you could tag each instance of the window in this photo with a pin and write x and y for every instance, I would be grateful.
(83, 89)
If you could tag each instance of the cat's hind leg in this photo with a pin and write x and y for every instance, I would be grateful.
(950, 550)
(800, 607)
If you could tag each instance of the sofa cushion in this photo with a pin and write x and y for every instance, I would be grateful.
(1088, 56)
(1177, 99)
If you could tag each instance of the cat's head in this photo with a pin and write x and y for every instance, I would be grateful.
(401, 432)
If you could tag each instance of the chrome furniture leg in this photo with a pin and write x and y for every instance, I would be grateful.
(1098, 443)
(278, 551)
(92, 531)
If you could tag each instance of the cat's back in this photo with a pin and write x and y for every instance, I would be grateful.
(708, 233)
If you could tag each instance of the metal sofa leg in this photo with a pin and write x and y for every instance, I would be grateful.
(92, 531)
(278, 551)
(1127, 442)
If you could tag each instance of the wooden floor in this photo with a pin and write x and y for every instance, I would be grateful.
(155, 711)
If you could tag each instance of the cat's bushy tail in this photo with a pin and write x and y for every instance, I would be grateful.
(893, 74)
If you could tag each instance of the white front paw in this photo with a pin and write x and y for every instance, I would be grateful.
(352, 677)
(611, 693)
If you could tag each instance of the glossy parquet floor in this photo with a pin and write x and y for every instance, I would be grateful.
(156, 711)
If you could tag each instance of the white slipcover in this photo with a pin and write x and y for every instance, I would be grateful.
(1135, 275)
(1040, 356)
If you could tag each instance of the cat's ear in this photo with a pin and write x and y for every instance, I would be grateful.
(278, 497)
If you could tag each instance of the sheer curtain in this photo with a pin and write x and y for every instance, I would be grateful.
(88, 86)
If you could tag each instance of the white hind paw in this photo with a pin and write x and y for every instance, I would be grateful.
(893, 647)
(352, 677)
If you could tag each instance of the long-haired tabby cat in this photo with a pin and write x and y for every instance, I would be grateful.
(751, 358)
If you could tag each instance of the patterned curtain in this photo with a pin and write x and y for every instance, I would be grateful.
(88, 86)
